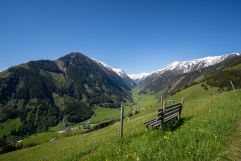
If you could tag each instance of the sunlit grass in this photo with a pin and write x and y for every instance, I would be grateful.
(209, 119)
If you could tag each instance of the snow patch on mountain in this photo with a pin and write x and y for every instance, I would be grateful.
(138, 76)
(130, 82)
(185, 66)
(118, 71)
(196, 64)
(102, 63)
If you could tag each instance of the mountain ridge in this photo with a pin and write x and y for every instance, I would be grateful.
(43, 93)
(179, 75)
(207, 61)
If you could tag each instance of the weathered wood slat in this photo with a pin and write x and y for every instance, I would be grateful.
(177, 104)
(173, 108)
(157, 125)
(154, 123)
(165, 114)
(149, 121)
(172, 112)
(159, 118)
(170, 117)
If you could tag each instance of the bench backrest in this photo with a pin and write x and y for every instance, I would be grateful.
(169, 112)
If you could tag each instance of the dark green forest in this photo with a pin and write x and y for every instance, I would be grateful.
(44, 93)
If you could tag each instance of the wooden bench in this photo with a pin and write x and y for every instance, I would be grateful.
(165, 114)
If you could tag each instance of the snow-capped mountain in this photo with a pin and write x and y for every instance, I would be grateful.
(138, 77)
(119, 72)
(184, 66)
(197, 64)
(178, 75)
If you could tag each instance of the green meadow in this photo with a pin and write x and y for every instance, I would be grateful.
(209, 129)
(6, 127)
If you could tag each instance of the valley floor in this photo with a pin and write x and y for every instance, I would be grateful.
(207, 131)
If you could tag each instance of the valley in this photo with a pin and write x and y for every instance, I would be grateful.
(209, 120)
(71, 125)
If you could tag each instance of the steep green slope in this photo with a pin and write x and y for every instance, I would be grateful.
(222, 79)
(209, 118)
(44, 93)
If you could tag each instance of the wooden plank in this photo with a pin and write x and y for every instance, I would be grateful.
(170, 117)
(159, 117)
(173, 108)
(163, 111)
(182, 102)
(155, 123)
(172, 112)
(173, 105)
(149, 121)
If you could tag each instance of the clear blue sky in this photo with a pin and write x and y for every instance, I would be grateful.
(135, 35)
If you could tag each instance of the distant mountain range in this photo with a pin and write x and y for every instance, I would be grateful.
(184, 66)
(138, 78)
(43, 93)
(179, 75)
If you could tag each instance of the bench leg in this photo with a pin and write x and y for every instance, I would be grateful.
(178, 116)
(160, 126)
(146, 128)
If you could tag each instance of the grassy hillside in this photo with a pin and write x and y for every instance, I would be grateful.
(209, 119)
(8, 126)
(102, 114)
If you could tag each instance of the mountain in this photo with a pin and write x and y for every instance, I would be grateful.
(129, 82)
(179, 75)
(43, 93)
(138, 78)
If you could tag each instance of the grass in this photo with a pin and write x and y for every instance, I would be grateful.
(209, 119)
(146, 102)
(233, 152)
(102, 114)
(45, 137)
(8, 126)
(195, 93)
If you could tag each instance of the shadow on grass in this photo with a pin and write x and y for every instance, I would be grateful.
(175, 124)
